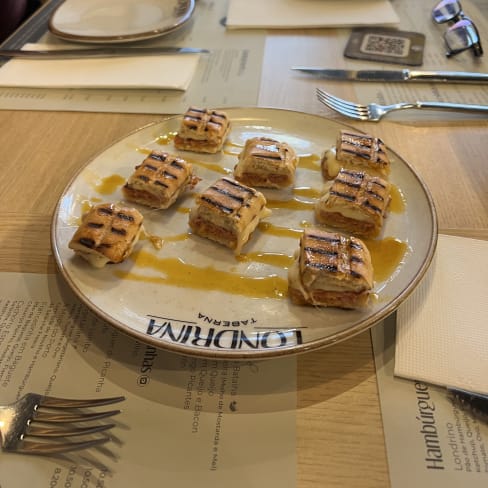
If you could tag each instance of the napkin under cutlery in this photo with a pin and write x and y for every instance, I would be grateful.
(442, 328)
(271, 14)
(172, 72)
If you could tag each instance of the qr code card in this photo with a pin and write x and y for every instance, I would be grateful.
(386, 46)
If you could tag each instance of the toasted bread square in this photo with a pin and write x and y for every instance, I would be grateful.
(359, 152)
(228, 212)
(330, 270)
(202, 130)
(159, 180)
(266, 163)
(355, 202)
(107, 234)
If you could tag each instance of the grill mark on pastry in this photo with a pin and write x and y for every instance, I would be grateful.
(351, 198)
(105, 211)
(365, 147)
(355, 245)
(158, 156)
(170, 176)
(375, 195)
(85, 241)
(323, 266)
(126, 217)
(176, 163)
(120, 232)
(143, 178)
(94, 225)
(149, 167)
(239, 186)
(161, 183)
(218, 205)
(332, 240)
(317, 250)
(373, 207)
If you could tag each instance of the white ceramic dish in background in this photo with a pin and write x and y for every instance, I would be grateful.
(118, 21)
(184, 316)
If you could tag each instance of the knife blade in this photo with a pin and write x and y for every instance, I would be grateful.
(394, 75)
(105, 52)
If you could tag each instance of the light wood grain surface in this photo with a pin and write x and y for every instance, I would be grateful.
(339, 430)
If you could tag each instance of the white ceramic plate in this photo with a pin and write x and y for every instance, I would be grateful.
(116, 21)
(147, 297)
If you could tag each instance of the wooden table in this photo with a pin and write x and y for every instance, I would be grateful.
(339, 430)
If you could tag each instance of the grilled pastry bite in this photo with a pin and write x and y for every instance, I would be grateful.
(266, 163)
(330, 270)
(228, 212)
(354, 202)
(107, 234)
(202, 130)
(159, 180)
(359, 152)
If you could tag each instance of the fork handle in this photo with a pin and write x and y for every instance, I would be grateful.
(465, 107)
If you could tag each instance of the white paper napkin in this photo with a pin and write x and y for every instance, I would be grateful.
(442, 328)
(309, 13)
(173, 72)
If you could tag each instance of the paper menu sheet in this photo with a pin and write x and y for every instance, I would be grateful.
(429, 441)
(185, 420)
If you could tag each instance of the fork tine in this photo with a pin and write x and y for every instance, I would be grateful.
(43, 431)
(340, 105)
(344, 107)
(29, 447)
(68, 417)
(54, 402)
(336, 100)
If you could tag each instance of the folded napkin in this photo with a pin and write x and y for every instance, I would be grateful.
(173, 72)
(442, 328)
(309, 13)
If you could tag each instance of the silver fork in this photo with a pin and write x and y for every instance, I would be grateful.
(52, 422)
(374, 112)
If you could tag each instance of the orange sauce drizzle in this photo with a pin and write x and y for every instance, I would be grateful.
(397, 202)
(275, 230)
(309, 161)
(175, 272)
(109, 184)
(308, 192)
(386, 255)
(279, 260)
(165, 139)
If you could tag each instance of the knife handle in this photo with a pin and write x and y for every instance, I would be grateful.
(452, 76)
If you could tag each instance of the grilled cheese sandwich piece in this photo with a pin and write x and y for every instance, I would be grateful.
(107, 234)
(228, 212)
(202, 130)
(354, 202)
(159, 180)
(266, 163)
(360, 152)
(330, 270)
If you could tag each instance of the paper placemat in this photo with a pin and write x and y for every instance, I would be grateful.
(430, 441)
(442, 332)
(185, 421)
(230, 75)
(272, 14)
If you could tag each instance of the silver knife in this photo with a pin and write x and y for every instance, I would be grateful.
(105, 52)
(394, 75)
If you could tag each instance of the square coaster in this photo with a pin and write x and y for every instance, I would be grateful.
(386, 45)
